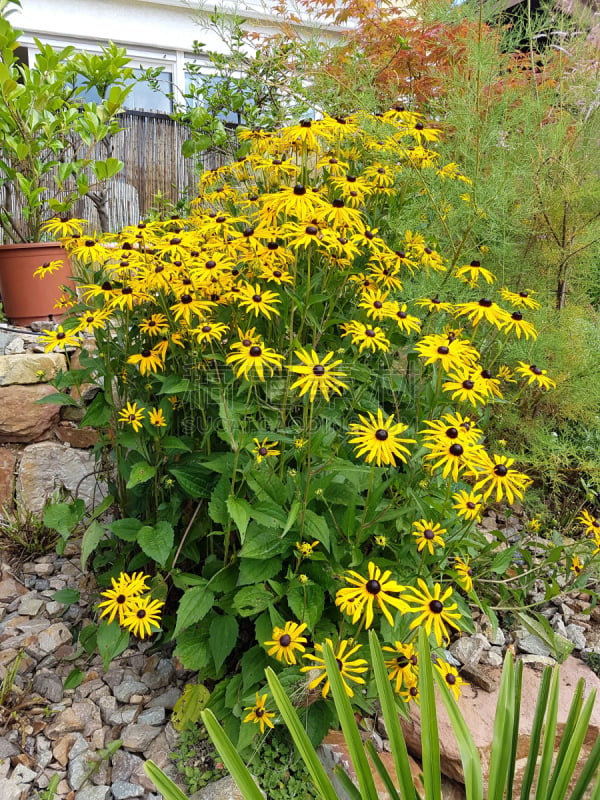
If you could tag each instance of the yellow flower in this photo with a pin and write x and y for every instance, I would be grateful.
(157, 418)
(132, 415)
(58, 338)
(350, 670)
(379, 440)
(428, 534)
(435, 611)
(364, 592)
(48, 267)
(451, 676)
(317, 375)
(119, 598)
(286, 641)
(149, 361)
(305, 549)
(264, 449)
(259, 714)
(142, 615)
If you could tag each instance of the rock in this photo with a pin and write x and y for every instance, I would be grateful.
(159, 675)
(124, 691)
(492, 657)
(576, 634)
(17, 345)
(30, 368)
(22, 419)
(166, 699)
(23, 775)
(124, 765)
(223, 789)
(468, 649)
(8, 465)
(152, 716)
(9, 589)
(122, 790)
(30, 604)
(93, 793)
(138, 737)
(495, 637)
(538, 662)
(7, 749)
(47, 467)
(478, 709)
(75, 436)
(9, 790)
(48, 684)
(47, 641)
(529, 643)
(81, 717)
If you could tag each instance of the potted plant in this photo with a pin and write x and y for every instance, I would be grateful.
(49, 132)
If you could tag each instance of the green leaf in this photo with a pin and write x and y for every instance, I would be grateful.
(186, 711)
(307, 603)
(192, 649)
(502, 561)
(193, 606)
(252, 600)
(99, 412)
(316, 527)
(111, 640)
(126, 529)
(173, 384)
(140, 473)
(66, 596)
(257, 570)
(64, 517)
(164, 784)
(58, 399)
(239, 511)
(176, 444)
(223, 638)
(254, 662)
(231, 759)
(318, 720)
(92, 537)
(262, 544)
(194, 480)
(74, 679)
(157, 541)
(430, 743)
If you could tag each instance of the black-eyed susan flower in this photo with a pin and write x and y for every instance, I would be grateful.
(87, 250)
(64, 227)
(436, 611)
(379, 439)
(590, 523)
(410, 693)
(497, 476)
(484, 309)
(350, 670)
(306, 549)
(403, 666)
(147, 360)
(466, 385)
(376, 304)
(286, 642)
(453, 456)
(251, 355)
(428, 534)
(366, 337)
(365, 592)
(434, 304)
(535, 375)
(58, 338)
(209, 332)
(258, 301)
(450, 675)
(188, 305)
(576, 565)
(449, 351)
(156, 417)
(470, 273)
(258, 713)
(317, 374)
(520, 326)
(48, 267)
(519, 299)
(385, 276)
(91, 320)
(142, 615)
(124, 590)
(505, 374)
(492, 384)
(468, 505)
(464, 572)
(264, 449)
(132, 414)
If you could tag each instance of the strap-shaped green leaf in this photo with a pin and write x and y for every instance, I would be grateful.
(238, 770)
(430, 741)
(536, 734)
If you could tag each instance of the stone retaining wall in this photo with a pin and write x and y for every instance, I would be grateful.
(42, 449)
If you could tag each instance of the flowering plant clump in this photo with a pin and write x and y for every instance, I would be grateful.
(293, 394)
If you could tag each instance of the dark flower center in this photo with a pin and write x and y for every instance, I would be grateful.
(485, 302)
(369, 332)
(451, 433)
(369, 235)
(338, 204)
(381, 434)
(500, 470)
(428, 250)
(210, 264)
(318, 370)
(456, 449)
(377, 304)
(443, 350)
(373, 586)
(402, 315)
(146, 353)
(272, 245)
(259, 712)
(206, 329)
(221, 219)
(299, 189)
(402, 661)
(436, 606)
(419, 126)
(381, 171)
(277, 273)
(535, 370)
(470, 505)
(186, 298)
(485, 373)
(255, 351)
(175, 240)
(413, 691)
(517, 316)
(257, 298)
(312, 230)
(263, 452)
(468, 385)
(428, 534)
(106, 286)
(450, 679)
(141, 613)
(61, 335)
(89, 242)
(285, 640)
(475, 263)
(351, 178)
(305, 123)
(127, 290)
(121, 599)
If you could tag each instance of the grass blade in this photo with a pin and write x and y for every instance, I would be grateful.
(392, 724)
(549, 739)
(346, 782)
(430, 741)
(469, 755)
(349, 727)
(567, 735)
(238, 770)
(300, 737)
(383, 772)
(501, 741)
(573, 750)
(163, 783)
(587, 775)
(514, 742)
(536, 734)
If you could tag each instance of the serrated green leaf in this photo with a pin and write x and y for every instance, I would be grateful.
(126, 529)
(252, 600)
(223, 638)
(92, 537)
(140, 473)
(307, 603)
(239, 511)
(157, 541)
(193, 606)
(111, 640)
(186, 711)
(66, 596)
(74, 679)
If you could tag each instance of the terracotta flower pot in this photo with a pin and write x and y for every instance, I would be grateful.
(25, 297)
